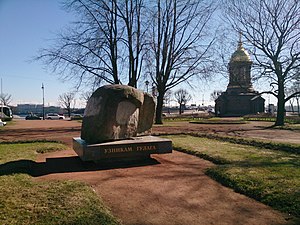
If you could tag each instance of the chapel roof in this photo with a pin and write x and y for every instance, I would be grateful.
(241, 54)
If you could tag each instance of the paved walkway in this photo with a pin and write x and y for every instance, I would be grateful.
(170, 189)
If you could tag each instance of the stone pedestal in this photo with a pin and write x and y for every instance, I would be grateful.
(134, 148)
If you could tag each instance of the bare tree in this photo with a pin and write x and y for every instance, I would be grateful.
(182, 97)
(168, 97)
(130, 12)
(66, 101)
(88, 50)
(104, 43)
(215, 94)
(272, 28)
(179, 44)
(291, 101)
(5, 99)
(296, 89)
(85, 96)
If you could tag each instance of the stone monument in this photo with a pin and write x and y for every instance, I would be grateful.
(117, 125)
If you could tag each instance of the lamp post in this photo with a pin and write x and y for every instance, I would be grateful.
(43, 101)
(2, 103)
(147, 83)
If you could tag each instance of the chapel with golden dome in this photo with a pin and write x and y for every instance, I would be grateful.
(239, 98)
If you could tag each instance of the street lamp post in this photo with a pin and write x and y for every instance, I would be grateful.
(147, 83)
(2, 103)
(43, 101)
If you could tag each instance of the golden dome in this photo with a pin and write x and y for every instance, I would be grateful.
(240, 55)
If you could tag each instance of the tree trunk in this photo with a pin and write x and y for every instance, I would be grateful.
(180, 109)
(69, 112)
(159, 107)
(292, 106)
(280, 105)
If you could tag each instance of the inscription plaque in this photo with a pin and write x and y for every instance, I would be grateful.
(134, 148)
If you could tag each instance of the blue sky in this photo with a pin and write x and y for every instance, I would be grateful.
(25, 27)
(28, 25)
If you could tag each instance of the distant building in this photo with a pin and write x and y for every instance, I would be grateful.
(29, 108)
(36, 109)
(239, 98)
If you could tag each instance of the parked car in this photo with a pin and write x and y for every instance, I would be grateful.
(54, 116)
(5, 113)
(32, 117)
(76, 117)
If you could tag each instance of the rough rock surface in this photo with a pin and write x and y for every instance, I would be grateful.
(117, 112)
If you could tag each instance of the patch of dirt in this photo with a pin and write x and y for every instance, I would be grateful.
(41, 129)
(170, 189)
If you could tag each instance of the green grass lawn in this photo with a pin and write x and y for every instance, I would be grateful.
(218, 120)
(25, 201)
(287, 119)
(200, 120)
(270, 176)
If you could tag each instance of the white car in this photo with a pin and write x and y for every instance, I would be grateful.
(54, 116)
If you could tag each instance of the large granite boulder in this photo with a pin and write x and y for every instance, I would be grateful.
(117, 112)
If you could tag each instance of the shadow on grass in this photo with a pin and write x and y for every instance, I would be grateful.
(67, 164)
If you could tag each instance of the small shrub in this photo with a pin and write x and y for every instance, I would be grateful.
(46, 149)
